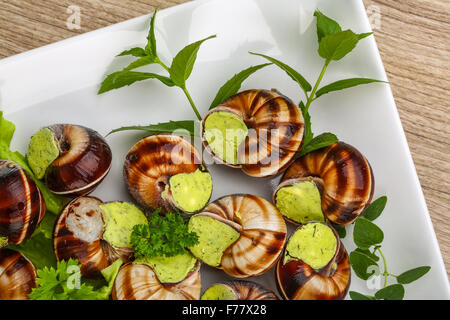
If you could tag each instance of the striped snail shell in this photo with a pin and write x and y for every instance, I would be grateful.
(344, 177)
(261, 233)
(139, 282)
(17, 275)
(78, 234)
(153, 163)
(297, 280)
(275, 131)
(239, 290)
(22, 205)
(83, 159)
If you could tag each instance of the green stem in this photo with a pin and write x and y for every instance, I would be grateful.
(385, 273)
(184, 90)
(312, 97)
(192, 103)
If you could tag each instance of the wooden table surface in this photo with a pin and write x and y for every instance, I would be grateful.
(413, 37)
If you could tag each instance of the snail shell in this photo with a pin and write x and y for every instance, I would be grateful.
(152, 162)
(262, 233)
(276, 129)
(248, 290)
(139, 282)
(344, 177)
(17, 275)
(297, 280)
(22, 206)
(78, 235)
(84, 160)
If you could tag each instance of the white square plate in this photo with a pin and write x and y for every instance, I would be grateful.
(58, 84)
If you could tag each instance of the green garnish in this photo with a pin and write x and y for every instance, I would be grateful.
(178, 72)
(334, 44)
(364, 260)
(166, 235)
(66, 283)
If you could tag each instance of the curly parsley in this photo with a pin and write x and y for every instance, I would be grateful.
(165, 235)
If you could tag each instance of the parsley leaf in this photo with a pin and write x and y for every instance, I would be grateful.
(66, 283)
(166, 235)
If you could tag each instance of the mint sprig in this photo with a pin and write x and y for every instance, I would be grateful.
(365, 259)
(179, 71)
(334, 45)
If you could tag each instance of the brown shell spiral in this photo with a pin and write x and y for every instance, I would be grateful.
(84, 161)
(22, 206)
(78, 235)
(262, 234)
(17, 275)
(345, 176)
(139, 282)
(150, 164)
(249, 290)
(296, 280)
(278, 131)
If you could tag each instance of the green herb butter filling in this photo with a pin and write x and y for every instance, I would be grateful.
(218, 292)
(224, 133)
(300, 202)
(120, 218)
(171, 269)
(191, 191)
(42, 151)
(214, 237)
(314, 243)
(3, 241)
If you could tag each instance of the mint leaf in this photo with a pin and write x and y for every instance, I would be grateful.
(150, 48)
(307, 118)
(325, 25)
(367, 252)
(319, 142)
(232, 86)
(359, 296)
(374, 210)
(361, 263)
(341, 231)
(124, 78)
(392, 292)
(366, 233)
(413, 274)
(337, 46)
(136, 52)
(183, 63)
(140, 63)
(344, 84)
(165, 127)
(297, 77)
(364, 35)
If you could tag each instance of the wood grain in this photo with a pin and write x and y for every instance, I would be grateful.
(413, 38)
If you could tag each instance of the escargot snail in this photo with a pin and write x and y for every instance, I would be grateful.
(95, 233)
(240, 234)
(315, 265)
(165, 171)
(335, 183)
(22, 206)
(141, 281)
(238, 290)
(17, 275)
(258, 131)
(73, 159)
